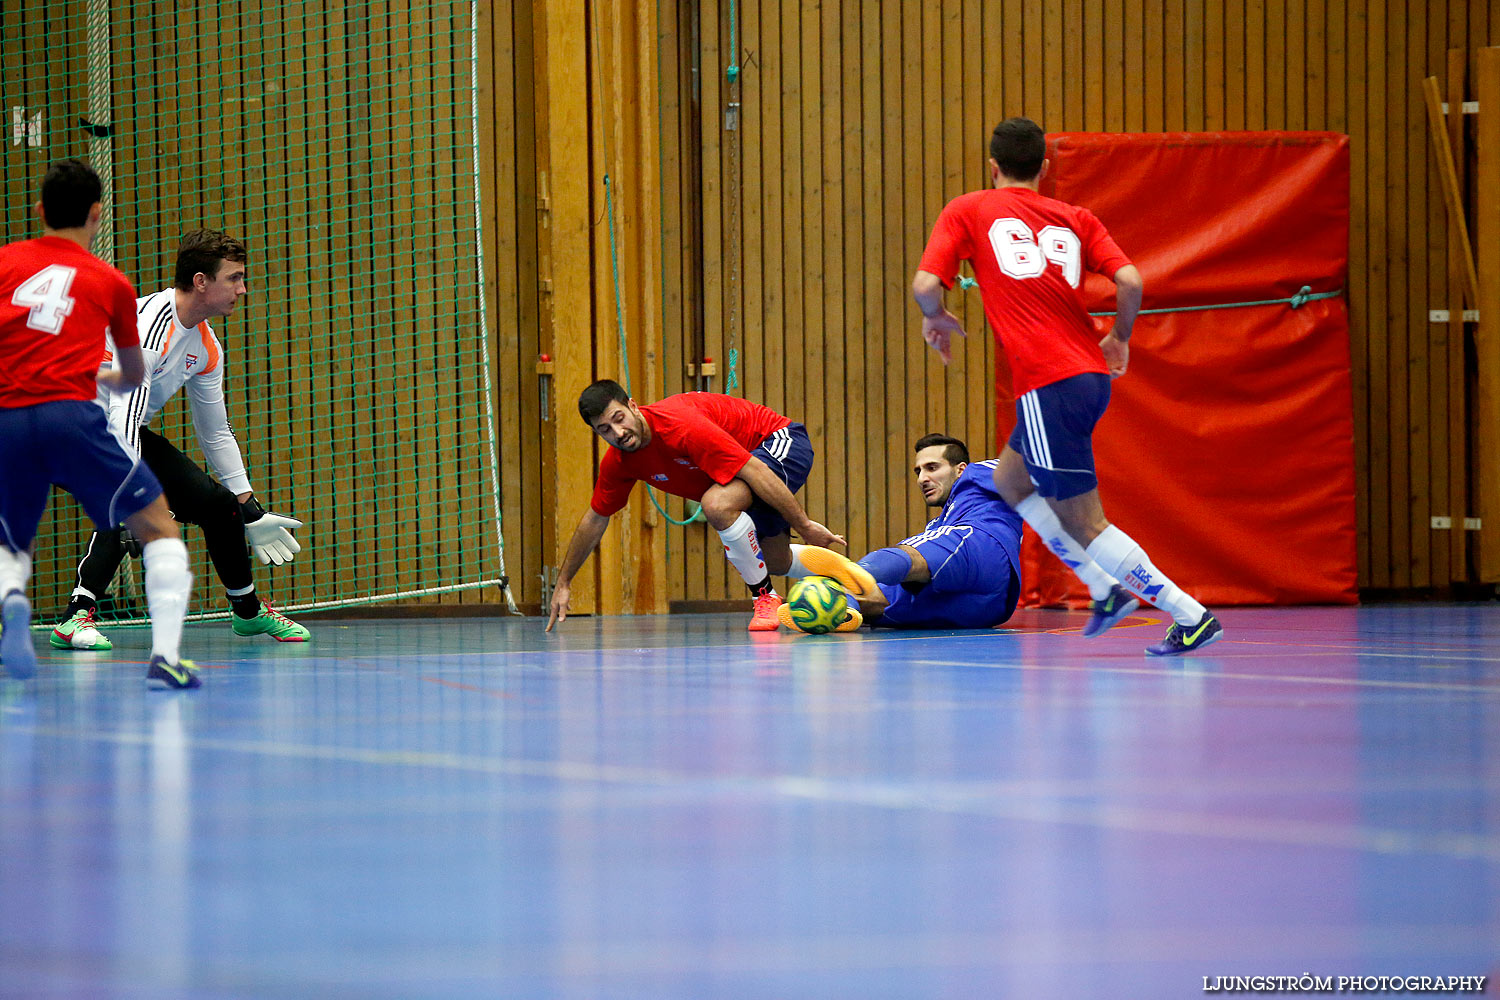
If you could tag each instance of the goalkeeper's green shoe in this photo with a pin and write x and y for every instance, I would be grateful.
(79, 632)
(270, 622)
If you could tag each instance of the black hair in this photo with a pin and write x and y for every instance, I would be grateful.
(956, 452)
(1018, 146)
(594, 400)
(202, 251)
(69, 190)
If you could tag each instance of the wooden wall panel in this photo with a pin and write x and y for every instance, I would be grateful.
(847, 191)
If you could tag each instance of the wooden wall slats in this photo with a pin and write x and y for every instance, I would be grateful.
(1413, 318)
(672, 175)
(852, 515)
(1281, 53)
(1093, 71)
(1398, 193)
(1436, 289)
(824, 331)
(1486, 403)
(1236, 82)
(894, 129)
(1257, 55)
(1194, 56)
(1074, 65)
(1155, 70)
(1374, 500)
(1137, 59)
(1215, 91)
(1457, 374)
(872, 279)
(714, 34)
(1114, 63)
(1318, 61)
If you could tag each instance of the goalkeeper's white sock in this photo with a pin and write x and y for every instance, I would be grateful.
(742, 546)
(15, 570)
(169, 582)
(1120, 554)
(1035, 511)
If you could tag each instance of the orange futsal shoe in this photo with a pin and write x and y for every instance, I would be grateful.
(851, 623)
(766, 606)
(850, 575)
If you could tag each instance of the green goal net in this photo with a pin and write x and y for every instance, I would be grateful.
(338, 141)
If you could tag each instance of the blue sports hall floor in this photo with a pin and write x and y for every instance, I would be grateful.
(673, 808)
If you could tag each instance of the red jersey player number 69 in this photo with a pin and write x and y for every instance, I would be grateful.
(1023, 255)
(46, 295)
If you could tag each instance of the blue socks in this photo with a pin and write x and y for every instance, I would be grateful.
(888, 566)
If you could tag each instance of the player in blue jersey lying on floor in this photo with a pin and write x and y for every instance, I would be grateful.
(962, 571)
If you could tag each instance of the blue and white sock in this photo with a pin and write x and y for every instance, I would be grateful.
(1035, 511)
(1119, 554)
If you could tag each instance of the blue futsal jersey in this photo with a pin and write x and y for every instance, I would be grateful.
(975, 501)
(973, 551)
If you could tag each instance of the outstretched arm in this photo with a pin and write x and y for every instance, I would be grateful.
(938, 324)
(585, 537)
(768, 486)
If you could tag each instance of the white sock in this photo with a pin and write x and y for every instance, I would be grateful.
(1119, 553)
(1035, 511)
(168, 585)
(742, 546)
(15, 570)
(798, 571)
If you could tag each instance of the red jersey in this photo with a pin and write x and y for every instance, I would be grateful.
(56, 302)
(697, 439)
(1028, 253)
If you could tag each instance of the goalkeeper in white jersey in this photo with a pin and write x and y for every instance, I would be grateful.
(181, 350)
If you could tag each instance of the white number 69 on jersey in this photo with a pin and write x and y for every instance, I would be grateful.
(46, 295)
(1023, 255)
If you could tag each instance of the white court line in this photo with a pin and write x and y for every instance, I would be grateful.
(1492, 689)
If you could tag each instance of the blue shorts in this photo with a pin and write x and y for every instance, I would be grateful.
(66, 443)
(975, 581)
(788, 453)
(1054, 433)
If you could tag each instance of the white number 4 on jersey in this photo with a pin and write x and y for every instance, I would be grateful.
(46, 295)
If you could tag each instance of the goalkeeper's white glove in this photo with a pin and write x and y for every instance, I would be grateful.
(269, 533)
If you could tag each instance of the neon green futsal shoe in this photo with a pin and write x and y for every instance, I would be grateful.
(79, 632)
(272, 623)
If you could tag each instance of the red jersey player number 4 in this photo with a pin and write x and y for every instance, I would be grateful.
(1042, 246)
(50, 347)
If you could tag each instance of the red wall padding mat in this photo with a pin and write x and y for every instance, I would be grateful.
(1228, 447)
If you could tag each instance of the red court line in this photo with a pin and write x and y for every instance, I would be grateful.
(488, 692)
